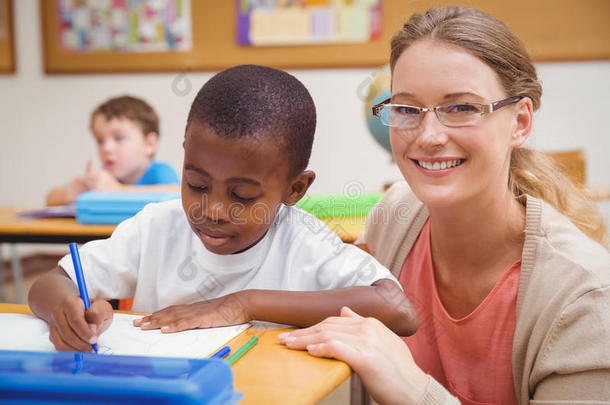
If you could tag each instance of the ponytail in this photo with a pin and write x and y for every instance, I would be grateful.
(538, 175)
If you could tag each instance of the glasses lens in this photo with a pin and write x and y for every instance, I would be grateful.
(399, 116)
(459, 114)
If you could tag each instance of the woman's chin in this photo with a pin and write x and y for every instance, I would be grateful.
(437, 196)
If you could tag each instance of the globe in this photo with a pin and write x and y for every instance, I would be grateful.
(378, 91)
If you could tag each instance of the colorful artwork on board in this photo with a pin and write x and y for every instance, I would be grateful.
(307, 22)
(124, 25)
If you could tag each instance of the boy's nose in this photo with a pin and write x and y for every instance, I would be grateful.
(107, 146)
(217, 212)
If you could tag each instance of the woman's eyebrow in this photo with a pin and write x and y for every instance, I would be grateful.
(461, 94)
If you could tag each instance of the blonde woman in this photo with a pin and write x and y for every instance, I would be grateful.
(504, 259)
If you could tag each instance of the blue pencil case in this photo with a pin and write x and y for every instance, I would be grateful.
(89, 378)
(103, 207)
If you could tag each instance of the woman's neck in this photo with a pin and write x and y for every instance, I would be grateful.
(479, 233)
(472, 247)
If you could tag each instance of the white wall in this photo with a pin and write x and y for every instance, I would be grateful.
(45, 138)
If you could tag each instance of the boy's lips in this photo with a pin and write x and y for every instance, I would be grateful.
(213, 237)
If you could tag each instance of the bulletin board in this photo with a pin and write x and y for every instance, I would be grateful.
(7, 42)
(552, 30)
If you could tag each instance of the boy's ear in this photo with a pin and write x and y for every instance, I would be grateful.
(151, 140)
(299, 186)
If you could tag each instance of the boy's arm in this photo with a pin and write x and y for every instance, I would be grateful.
(57, 196)
(383, 300)
(55, 298)
(68, 194)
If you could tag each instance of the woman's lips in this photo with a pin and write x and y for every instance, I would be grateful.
(438, 167)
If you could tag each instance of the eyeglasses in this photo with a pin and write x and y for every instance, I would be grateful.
(451, 115)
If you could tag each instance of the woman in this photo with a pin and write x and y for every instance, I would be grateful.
(503, 258)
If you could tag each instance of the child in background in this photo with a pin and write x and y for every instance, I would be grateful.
(235, 248)
(126, 130)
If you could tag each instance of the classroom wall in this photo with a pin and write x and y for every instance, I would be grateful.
(45, 138)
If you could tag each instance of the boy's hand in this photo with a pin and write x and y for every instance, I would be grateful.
(70, 328)
(76, 187)
(101, 180)
(224, 311)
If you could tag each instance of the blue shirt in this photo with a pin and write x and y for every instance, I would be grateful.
(158, 173)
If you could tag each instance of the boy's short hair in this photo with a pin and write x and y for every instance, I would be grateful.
(259, 102)
(132, 108)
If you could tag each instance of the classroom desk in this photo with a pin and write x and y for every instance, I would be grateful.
(47, 230)
(15, 230)
(270, 373)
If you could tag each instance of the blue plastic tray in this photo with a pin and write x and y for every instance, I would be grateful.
(89, 378)
(101, 207)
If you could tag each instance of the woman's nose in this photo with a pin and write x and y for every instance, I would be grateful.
(431, 132)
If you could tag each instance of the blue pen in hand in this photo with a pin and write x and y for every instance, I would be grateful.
(80, 279)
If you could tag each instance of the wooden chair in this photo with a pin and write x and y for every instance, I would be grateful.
(574, 163)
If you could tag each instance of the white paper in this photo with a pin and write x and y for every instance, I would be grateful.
(26, 332)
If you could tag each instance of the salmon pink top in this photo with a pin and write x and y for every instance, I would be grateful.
(471, 356)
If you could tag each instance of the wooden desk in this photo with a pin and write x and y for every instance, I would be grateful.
(270, 373)
(348, 228)
(47, 230)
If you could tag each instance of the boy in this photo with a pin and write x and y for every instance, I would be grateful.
(235, 249)
(126, 130)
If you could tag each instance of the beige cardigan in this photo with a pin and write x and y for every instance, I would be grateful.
(561, 346)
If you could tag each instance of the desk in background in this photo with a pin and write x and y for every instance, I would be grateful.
(270, 373)
(15, 230)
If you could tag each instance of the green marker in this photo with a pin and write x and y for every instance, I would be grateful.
(242, 350)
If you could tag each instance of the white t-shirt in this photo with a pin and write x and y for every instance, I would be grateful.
(156, 258)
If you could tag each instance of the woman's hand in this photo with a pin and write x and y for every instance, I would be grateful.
(381, 358)
(223, 311)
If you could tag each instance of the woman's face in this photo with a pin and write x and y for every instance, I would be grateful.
(450, 165)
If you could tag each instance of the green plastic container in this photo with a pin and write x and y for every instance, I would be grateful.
(333, 206)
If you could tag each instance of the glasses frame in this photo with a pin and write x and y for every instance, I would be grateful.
(485, 109)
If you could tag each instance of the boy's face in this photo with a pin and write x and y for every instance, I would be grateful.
(124, 150)
(232, 188)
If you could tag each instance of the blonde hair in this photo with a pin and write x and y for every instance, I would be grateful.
(490, 40)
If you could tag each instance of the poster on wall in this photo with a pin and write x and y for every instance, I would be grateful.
(307, 22)
(130, 26)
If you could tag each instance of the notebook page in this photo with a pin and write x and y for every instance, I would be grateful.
(26, 332)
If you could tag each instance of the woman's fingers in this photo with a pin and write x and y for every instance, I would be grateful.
(347, 312)
(333, 322)
(348, 333)
(337, 349)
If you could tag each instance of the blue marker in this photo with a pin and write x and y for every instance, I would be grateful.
(80, 279)
(221, 353)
